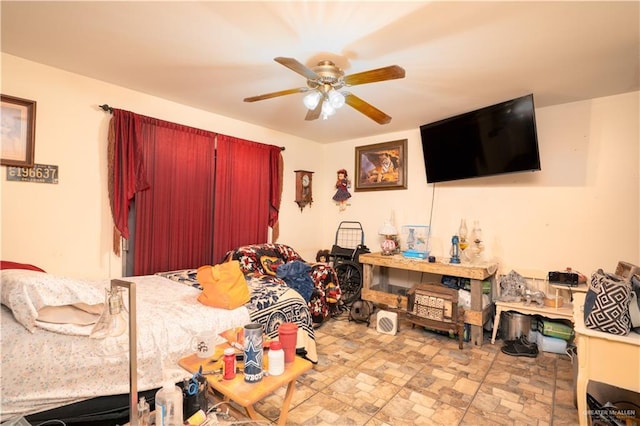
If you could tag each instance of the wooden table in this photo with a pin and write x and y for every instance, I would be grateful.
(476, 315)
(246, 394)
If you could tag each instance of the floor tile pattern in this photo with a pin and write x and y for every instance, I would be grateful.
(417, 376)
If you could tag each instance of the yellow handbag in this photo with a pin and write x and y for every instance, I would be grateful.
(223, 285)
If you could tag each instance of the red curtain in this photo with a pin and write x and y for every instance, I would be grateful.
(174, 218)
(195, 199)
(126, 167)
(248, 188)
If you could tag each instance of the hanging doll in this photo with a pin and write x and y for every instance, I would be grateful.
(342, 189)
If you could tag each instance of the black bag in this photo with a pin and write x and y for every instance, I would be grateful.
(606, 306)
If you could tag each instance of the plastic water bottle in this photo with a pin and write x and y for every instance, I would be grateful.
(143, 412)
(169, 405)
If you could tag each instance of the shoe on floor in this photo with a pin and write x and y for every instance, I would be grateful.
(522, 340)
(515, 348)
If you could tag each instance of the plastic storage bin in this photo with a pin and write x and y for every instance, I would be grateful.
(549, 344)
(555, 329)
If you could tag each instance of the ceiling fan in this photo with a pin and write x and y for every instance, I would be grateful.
(324, 84)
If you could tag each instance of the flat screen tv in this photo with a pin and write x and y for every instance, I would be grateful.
(493, 140)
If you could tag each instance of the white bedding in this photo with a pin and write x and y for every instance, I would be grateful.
(44, 369)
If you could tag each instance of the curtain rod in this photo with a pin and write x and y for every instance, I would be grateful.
(107, 108)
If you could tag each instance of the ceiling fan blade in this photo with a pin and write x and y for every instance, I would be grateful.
(314, 114)
(296, 66)
(276, 94)
(367, 109)
(381, 74)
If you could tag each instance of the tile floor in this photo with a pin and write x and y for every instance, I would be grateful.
(420, 377)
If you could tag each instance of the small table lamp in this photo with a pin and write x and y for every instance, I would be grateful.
(389, 245)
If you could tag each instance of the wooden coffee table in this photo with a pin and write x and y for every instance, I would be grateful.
(246, 394)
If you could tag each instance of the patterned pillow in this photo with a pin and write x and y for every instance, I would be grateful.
(610, 296)
(270, 264)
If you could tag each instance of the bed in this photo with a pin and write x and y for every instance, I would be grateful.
(48, 367)
(272, 303)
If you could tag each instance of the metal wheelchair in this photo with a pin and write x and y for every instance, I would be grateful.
(348, 246)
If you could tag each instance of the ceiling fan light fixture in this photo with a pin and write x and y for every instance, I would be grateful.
(323, 84)
(336, 99)
(311, 99)
(327, 109)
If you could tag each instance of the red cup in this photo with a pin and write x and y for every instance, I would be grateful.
(288, 336)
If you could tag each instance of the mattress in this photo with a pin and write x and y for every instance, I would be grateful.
(44, 369)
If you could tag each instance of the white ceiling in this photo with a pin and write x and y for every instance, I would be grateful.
(458, 56)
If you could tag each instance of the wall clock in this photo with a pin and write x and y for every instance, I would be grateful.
(304, 194)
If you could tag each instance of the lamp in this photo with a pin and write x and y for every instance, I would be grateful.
(331, 100)
(311, 99)
(389, 245)
(327, 109)
(112, 324)
(336, 99)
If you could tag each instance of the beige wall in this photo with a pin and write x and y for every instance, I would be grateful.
(66, 228)
(582, 209)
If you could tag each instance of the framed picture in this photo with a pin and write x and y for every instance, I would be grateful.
(381, 166)
(18, 131)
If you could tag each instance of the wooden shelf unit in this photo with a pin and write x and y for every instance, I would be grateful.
(476, 316)
(564, 312)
